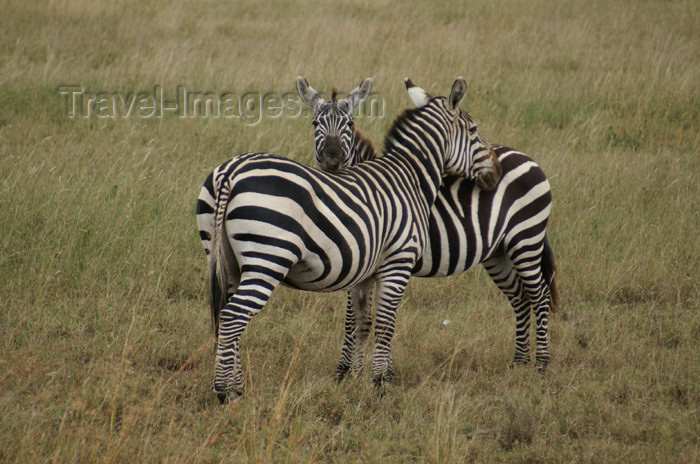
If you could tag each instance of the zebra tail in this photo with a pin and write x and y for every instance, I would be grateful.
(549, 269)
(223, 268)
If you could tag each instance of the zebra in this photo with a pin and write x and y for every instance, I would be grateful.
(267, 220)
(338, 143)
(503, 229)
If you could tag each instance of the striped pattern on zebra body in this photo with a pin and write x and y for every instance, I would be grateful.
(265, 220)
(503, 229)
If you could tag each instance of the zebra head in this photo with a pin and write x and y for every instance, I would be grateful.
(467, 153)
(334, 132)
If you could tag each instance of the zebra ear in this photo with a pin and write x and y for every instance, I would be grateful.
(418, 96)
(360, 94)
(308, 94)
(459, 90)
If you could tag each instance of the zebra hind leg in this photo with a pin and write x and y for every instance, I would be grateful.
(549, 300)
(542, 326)
(537, 292)
(358, 323)
(503, 274)
(250, 297)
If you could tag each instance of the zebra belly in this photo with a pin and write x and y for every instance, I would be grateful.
(304, 275)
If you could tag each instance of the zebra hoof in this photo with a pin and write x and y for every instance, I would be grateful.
(384, 378)
(541, 362)
(227, 396)
(519, 361)
(341, 372)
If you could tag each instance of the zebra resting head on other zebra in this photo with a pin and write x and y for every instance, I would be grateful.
(335, 135)
(265, 220)
(339, 144)
(513, 248)
(485, 171)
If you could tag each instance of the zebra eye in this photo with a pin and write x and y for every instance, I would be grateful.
(472, 130)
(315, 123)
(351, 124)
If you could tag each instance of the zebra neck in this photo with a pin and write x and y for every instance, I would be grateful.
(424, 172)
(417, 140)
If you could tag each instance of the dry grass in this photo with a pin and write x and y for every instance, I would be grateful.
(107, 353)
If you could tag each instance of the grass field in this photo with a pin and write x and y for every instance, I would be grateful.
(106, 354)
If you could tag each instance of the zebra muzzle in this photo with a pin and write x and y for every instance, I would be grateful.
(331, 156)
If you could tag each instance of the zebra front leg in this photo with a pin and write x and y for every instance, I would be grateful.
(390, 290)
(358, 323)
(249, 298)
(502, 272)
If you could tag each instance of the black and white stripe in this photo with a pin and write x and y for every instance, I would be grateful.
(503, 229)
(267, 220)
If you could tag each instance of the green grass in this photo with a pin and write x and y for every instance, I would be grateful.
(107, 353)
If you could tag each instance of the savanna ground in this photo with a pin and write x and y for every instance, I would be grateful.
(106, 352)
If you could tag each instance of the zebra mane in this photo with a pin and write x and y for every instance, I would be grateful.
(392, 133)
